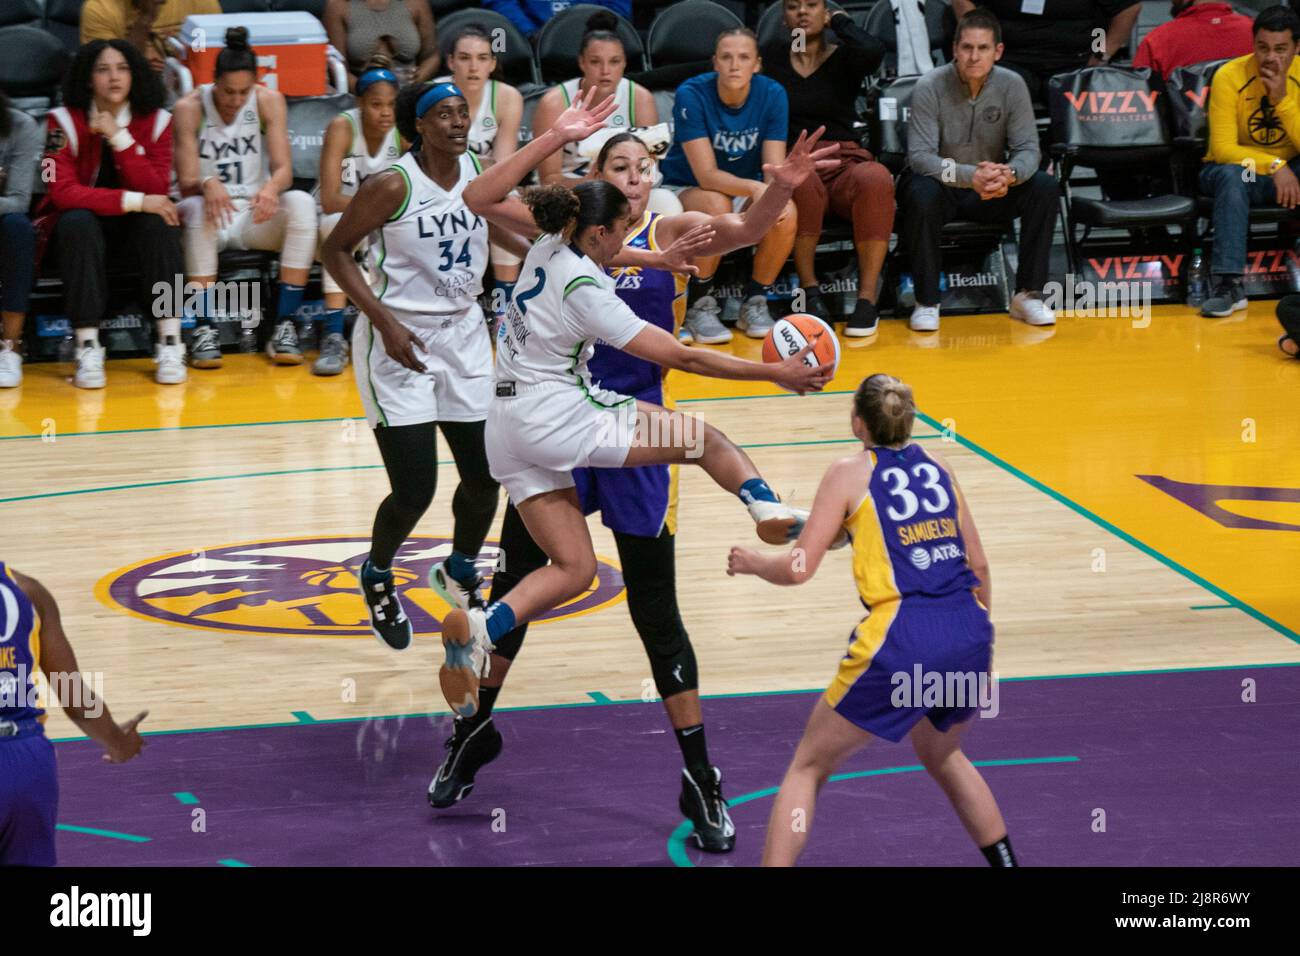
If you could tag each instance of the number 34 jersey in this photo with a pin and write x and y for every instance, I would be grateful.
(430, 256)
(907, 536)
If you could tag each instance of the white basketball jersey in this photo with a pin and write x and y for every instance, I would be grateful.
(573, 163)
(431, 255)
(358, 164)
(235, 154)
(563, 304)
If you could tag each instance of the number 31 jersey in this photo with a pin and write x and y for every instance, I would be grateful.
(907, 539)
(430, 256)
(235, 154)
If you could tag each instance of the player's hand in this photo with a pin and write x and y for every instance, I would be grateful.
(401, 344)
(798, 376)
(677, 257)
(265, 204)
(582, 118)
(743, 561)
(130, 742)
(803, 160)
(217, 205)
(1287, 186)
(161, 206)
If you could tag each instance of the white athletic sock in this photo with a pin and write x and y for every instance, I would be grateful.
(87, 337)
(169, 331)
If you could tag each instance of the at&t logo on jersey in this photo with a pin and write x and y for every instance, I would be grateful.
(923, 558)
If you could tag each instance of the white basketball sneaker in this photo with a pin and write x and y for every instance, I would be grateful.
(779, 523)
(925, 318)
(468, 650)
(170, 360)
(90, 367)
(1030, 308)
(11, 365)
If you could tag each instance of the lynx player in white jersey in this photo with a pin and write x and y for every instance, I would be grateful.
(358, 143)
(422, 356)
(234, 167)
(497, 110)
(547, 418)
(602, 61)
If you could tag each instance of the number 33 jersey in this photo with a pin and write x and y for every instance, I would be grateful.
(430, 256)
(907, 538)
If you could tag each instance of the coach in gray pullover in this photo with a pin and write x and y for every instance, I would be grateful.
(20, 151)
(972, 154)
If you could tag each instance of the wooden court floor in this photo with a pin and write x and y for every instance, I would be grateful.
(1137, 489)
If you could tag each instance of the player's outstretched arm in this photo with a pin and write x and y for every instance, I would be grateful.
(823, 526)
(655, 345)
(489, 193)
(737, 230)
(83, 708)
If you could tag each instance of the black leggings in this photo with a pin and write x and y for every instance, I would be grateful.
(410, 454)
(650, 576)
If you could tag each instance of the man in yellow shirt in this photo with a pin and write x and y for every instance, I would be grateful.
(1254, 152)
(145, 24)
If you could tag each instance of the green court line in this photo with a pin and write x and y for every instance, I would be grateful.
(183, 428)
(677, 840)
(429, 714)
(186, 797)
(598, 697)
(232, 862)
(302, 717)
(1117, 532)
(308, 471)
(111, 834)
(1209, 607)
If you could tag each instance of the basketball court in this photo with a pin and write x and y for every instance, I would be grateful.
(1135, 483)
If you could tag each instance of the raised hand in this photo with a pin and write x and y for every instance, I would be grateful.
(582, 119)
(804, 159)
(677, 257)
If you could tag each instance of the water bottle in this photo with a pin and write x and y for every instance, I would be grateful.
(247, 337)
(306, 334)
(943, 281)
(1197, 284)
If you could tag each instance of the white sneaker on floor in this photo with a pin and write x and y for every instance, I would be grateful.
(1030, 308)
(170, 360)
(925, 318)
(11, 366)
(90, 367)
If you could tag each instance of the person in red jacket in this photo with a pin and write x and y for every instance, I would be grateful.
(111, 150)
(1201, 30)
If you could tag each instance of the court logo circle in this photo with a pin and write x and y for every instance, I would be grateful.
(305, 587)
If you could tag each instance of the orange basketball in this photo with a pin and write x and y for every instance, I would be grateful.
(795, 331)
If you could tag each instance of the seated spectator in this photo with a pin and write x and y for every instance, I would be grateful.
(111, 146)
(1056, 36)
(401, 30)
(972, 153)
(530, 15)
(234, 167)
(602, 61)
(20, 152)
(145, 24)
(1254, 119)
(1201, 30)
(358, 142)
(497, 109)
(730, 124)
(821, 82)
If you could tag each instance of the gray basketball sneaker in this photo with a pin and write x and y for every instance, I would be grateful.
(283, 348)
(702, 324)
(333, 357)
(755, 319)
(205, 347)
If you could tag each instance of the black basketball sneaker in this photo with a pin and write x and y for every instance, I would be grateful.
(388, 622)
(703, 804)
(468, 749)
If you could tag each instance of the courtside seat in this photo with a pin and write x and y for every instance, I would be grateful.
(938, 23)
(1108, 118)
(687, 32)
(63, 20)
(516, 62)
(21, 13)
(32, 65)
(560, 37)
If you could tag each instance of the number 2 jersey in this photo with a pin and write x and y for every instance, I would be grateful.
(430, 256)
(907, 536)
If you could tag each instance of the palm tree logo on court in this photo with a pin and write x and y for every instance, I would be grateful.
(303, 587)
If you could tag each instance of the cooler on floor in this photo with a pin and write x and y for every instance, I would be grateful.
(290, 48)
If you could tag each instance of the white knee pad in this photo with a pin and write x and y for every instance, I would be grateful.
(328, 220)
(200, 239)
(299, 249)
(502, 256)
